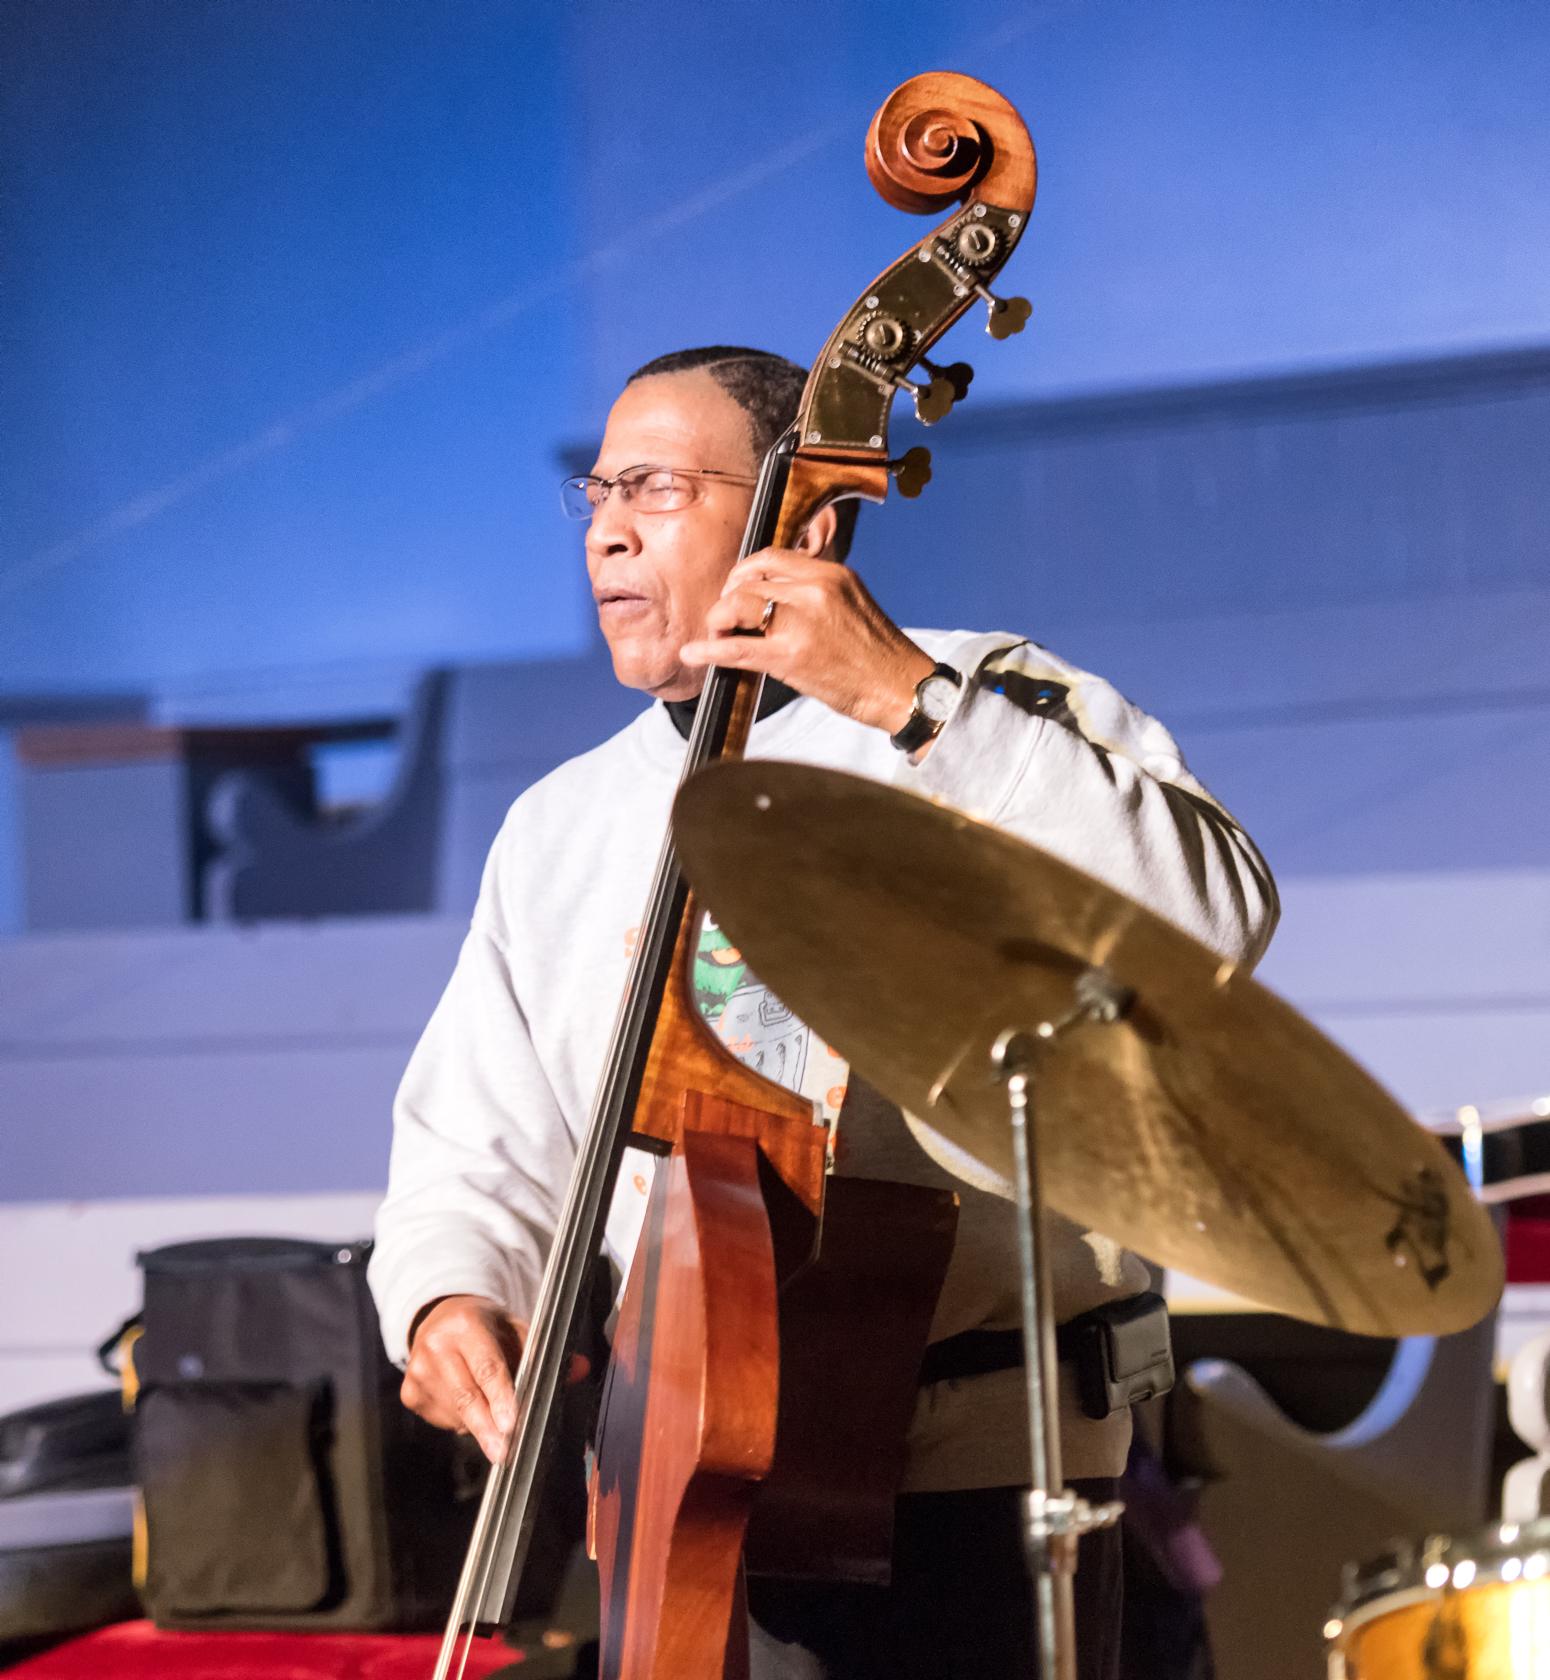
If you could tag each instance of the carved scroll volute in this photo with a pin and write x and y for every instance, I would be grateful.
(940, 139)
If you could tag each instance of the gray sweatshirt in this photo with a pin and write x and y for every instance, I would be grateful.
(499, 1089)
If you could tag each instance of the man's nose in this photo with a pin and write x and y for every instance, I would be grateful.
(611, 530)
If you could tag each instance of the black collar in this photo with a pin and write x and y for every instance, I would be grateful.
(776, 694)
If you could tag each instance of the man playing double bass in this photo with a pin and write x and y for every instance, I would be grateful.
(500, 1086)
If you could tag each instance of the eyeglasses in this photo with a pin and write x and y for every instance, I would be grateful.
(645, 489)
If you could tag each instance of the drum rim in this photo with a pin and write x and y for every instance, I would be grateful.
(1375, 1609)
(1489, 1550)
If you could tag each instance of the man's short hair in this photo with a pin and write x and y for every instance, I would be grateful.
(768, 389)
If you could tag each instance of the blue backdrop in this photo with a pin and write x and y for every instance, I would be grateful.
(299, 299)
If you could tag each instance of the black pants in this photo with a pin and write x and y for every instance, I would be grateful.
(960, 1605)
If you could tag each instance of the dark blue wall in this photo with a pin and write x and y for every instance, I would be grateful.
(1335, 588)
(297, 300)
(1226, 186)
(286, 320)
(298, 303)
(1406, 482)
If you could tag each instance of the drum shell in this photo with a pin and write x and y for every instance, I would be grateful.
(1448, 1610)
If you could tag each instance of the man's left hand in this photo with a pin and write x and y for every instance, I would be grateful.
(827, 637)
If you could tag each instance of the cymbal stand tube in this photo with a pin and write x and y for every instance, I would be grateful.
(1056, 1518)
(1051, 1551)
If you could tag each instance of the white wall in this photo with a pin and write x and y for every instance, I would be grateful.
(70, 1276)
(1439, 984)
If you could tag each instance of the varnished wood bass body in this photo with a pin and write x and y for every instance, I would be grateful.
(764, 1366)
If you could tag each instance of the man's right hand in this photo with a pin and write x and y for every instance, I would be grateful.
(460, 1363)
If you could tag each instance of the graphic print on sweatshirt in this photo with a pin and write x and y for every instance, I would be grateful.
(759, 1029)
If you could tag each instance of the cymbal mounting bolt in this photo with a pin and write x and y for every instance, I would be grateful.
(1012, 1055)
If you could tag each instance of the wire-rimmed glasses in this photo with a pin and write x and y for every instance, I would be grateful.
(646, 489)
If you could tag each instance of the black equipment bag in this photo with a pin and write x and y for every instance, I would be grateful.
(284, 1484)
(65, 1446)
(65, 1518)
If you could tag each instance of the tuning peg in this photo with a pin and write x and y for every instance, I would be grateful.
(931, 401)
(1007, 315)
(912, 471)
(934, 400)
(958, 376)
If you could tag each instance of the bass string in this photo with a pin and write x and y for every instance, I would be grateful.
(580, 1227)
(718, 698)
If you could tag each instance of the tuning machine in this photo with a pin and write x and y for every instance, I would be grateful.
(932, 401)
(1007, 315)
(976, 245)
(912, 471)
(958, 375)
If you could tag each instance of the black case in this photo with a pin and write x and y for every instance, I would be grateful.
(65, 1446)
(57, 1579)
(285, 1485)
(1122, 1351)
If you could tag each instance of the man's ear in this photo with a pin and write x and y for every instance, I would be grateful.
(817, 538)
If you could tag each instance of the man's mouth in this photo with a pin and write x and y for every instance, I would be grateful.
(618, 598)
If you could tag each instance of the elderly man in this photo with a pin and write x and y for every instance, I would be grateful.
(500, 1087)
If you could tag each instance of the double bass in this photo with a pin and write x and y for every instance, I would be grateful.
(769, 1338)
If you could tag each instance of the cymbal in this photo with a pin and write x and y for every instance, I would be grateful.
(1213, 1129)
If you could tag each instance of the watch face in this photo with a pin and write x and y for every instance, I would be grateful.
(936, 697)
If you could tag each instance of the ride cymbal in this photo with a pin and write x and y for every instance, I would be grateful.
(1213, 1128)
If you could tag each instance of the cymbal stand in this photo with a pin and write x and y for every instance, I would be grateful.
(1055, 1520)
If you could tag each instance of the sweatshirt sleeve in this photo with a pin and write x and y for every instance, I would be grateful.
(1057, 757)
(481, 1153)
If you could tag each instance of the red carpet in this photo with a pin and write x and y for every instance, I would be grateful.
(136, 1651)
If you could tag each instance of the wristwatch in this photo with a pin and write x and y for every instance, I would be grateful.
(935, 696)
